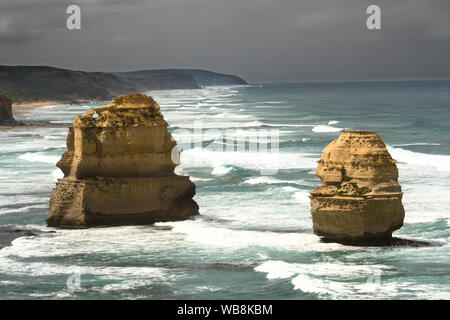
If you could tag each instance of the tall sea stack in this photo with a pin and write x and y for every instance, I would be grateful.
(118, 169)
(360, 198)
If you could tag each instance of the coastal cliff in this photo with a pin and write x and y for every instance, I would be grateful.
(25, 84)
(360, 198)
(203, 78)
(118, 169)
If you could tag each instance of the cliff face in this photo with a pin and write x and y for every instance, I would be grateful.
(35, 83)
(118, 169)
(6, 115)
(360, 198)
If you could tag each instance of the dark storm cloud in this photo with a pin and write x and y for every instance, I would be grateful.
(261, 40)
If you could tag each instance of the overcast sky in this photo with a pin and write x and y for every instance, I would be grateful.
(259, 40)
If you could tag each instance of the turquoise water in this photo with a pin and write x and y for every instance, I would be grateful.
(253, 239)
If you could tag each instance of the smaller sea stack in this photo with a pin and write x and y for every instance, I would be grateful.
(360, 198)
(118, 169)
(6, 116)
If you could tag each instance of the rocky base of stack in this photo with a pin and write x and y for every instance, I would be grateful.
(386, 242)
(100, 201)
(356, 219)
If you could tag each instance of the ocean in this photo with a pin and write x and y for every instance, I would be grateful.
(253, 238)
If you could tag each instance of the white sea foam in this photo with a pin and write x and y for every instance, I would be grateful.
(340, 289)
(319, 277)
(221, 170)
(50, 106)
(57, 174)
(416, 144)
(327, 268)
(273, 180)
(61, 121)
(26, 143)
(192, 178)
(23, 209)
(198, 157)
(180, 171)
(271, 102)
(332, 122)
(437, 162)
(290, 189)
(226, 115)
(218, 124)
(368, 288)
(288, 125)
(14, 267)
(125, 285)
(301, 197)
(198, 232)
(339, 280)
(8, 282)
(39, 157)
(277, 269)
(265, 180)
(115, 240)
(324, 128)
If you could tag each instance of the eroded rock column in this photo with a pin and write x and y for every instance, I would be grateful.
(118, 169)
(360, 198)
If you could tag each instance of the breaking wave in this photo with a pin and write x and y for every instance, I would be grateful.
(324, 128)
(438, 162)
(39, 157)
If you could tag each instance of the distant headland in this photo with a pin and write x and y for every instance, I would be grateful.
(36, 84)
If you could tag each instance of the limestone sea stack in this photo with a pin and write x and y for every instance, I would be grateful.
(118, 169)
(6, 116)
(360, 198)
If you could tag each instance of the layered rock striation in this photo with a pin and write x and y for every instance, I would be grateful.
(118, 169)
(360, 198)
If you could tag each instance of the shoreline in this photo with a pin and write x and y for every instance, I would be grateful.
(31, 105)
(19, 106)
(20, 126)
